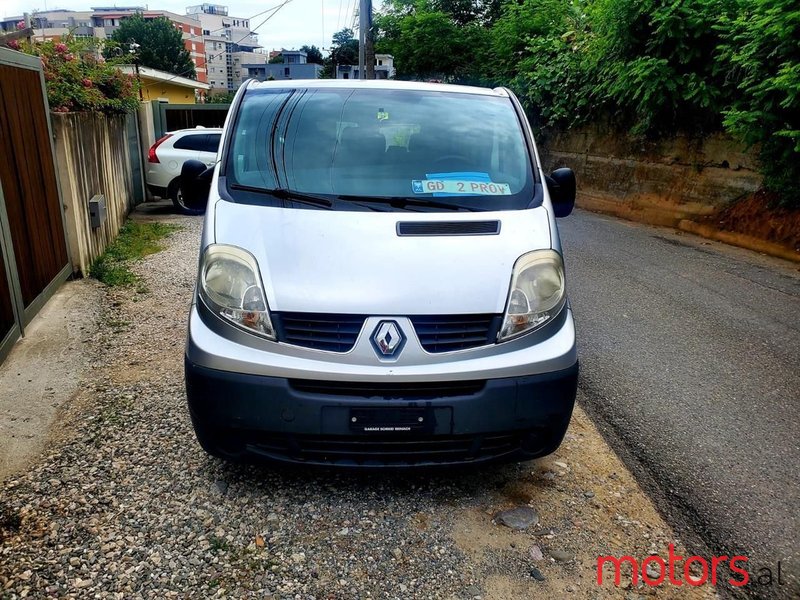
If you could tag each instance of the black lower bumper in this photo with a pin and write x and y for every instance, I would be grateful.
(375, 424)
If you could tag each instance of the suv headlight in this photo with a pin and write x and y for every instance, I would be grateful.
(537, 293)
(230, 285)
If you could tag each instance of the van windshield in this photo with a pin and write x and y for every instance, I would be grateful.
(367, 147)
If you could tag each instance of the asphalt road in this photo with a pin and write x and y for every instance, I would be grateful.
(690, 357)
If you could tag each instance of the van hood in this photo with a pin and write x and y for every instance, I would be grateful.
(356, 262)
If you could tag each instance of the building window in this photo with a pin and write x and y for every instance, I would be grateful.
(380, 63)
(206, 32)
(286, 71)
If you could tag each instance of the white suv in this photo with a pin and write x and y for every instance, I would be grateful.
(166, 157)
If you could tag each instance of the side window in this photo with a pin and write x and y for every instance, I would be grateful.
(212, 143)
(194, 142)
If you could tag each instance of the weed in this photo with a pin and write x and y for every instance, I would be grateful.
(135, 241)
(219, 544)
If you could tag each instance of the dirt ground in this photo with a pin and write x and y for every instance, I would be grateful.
(152, 489)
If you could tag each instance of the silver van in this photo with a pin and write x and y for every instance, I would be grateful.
(381, 280)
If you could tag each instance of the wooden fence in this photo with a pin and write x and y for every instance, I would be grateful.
(33, 250)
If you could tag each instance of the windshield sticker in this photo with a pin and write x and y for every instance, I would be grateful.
(383, 115)
(460, 184)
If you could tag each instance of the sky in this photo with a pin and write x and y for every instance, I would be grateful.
(299, 22)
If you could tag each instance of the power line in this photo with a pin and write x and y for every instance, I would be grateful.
(339, 16)
(353, 19)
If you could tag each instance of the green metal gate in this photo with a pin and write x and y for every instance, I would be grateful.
(170, 117)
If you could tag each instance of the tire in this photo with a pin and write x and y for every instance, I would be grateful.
(177, 200)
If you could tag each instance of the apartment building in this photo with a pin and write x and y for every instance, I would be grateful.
(294, 66)
(229, 44)
(101, 22)
(53, 24)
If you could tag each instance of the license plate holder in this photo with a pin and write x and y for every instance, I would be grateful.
(377, 420)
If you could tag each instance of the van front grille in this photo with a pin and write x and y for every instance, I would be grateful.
(331, 332)
(446, 333)
(385, 451)
(338, 332)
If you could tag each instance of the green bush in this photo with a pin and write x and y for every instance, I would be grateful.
(762, 48)
(78, 79)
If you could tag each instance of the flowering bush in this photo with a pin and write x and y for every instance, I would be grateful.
(79, 79)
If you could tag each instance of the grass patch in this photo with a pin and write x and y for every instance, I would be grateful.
(219, 544)
(135, 241)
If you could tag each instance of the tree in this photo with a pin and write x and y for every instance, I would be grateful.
(760, 45)
(276, 60)
(313, 54)
(344, 51)
(429, 43)
(220, 98)
(160, 45)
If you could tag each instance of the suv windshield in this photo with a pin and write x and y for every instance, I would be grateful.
(382, 149)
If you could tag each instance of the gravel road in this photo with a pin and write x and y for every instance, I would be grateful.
(125, 504)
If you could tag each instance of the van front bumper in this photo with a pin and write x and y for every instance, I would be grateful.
(312, 422)
(254, 399)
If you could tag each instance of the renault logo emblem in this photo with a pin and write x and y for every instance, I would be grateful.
(388, 340)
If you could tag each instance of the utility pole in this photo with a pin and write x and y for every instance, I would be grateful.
(369, 46)
(363, 8)
(366, 51)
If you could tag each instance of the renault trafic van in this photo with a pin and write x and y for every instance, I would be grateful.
(381, 280)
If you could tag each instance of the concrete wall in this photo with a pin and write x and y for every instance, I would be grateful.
(93, 157)
(655, 182)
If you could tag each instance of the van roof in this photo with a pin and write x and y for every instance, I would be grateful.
(389, 84)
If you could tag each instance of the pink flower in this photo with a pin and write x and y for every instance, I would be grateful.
(61, 47)
(69, 57)
(13, 44)
(20, 24)
(86, 82)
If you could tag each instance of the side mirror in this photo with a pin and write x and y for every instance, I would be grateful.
(561, 185)
(195, 184)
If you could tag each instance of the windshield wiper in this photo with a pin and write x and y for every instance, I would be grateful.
(401, 202)
(284, 194)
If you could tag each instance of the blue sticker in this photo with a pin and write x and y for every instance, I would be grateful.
(416, 186)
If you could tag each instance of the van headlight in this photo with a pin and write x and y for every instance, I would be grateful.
(230, 285)
(537, 293)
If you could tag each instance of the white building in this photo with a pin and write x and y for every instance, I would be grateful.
(384, 68)
(229, 43)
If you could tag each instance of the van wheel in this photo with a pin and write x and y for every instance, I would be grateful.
(177, 200)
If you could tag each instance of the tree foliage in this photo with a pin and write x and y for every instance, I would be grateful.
(313, 54)
(651, 67)
(760, 43)
(160, 45)
(344, 51)
(76, 80)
